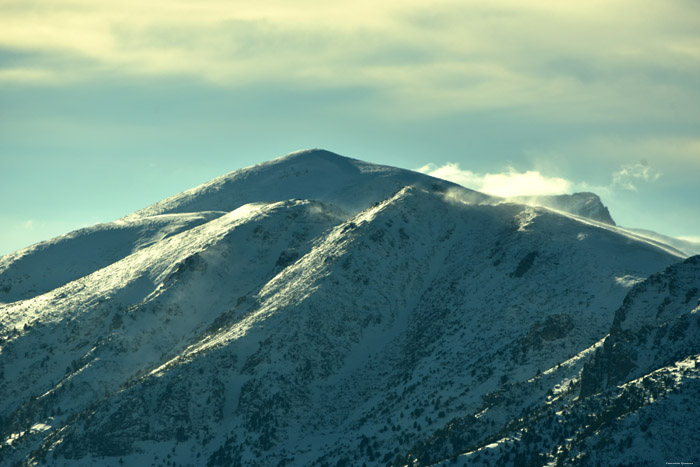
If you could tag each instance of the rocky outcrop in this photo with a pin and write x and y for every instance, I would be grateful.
(658, 324)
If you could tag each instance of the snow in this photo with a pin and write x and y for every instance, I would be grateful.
(628, 281)
(383, 306)
(686, 246)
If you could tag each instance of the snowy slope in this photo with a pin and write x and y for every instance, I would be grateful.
(87, 338)
(630, 399)
(336, 331)
(685, 246)
(582, 204)
(43, 267)
(310, 174)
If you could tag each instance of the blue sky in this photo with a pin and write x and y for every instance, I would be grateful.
(106, 107)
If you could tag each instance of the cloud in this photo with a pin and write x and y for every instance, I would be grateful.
(681, 151)
(541, 57)
(506, 184)
(511, 183)
(629, 176)
(690, 238)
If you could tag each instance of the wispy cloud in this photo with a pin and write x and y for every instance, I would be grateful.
(690, 238)
(511, 182)
(629, 176)
(506, 184)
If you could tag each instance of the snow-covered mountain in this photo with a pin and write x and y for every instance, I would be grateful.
(687, 247)
(629, 399)
(347, 183)
(319, 310)
(583, 204)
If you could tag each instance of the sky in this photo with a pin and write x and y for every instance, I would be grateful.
(107, 107)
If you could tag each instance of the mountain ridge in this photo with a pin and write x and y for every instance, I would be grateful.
(349, 183)
(584, 204)
(296, 175)
(421, 329)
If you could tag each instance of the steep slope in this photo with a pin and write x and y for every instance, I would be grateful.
(392, 319)
(78, 343)
(282, 332)
(630, 399)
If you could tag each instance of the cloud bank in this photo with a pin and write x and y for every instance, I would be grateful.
(578, 61)
(507, 184)
(512, 183)
(690, 238)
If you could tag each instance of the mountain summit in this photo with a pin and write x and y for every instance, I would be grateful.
(349, 184)
(320, 310)
(583, 204)
(318, 174)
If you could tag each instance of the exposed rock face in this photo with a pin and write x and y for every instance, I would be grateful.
(633, 401)
(657, 325)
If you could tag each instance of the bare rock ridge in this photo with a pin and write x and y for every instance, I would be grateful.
(323, 311)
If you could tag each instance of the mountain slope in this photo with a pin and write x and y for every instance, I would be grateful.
(320, 175)
(335, 342)
(413, 329)
(43, 267)
(686, 247)
(583, 204)
(316, 174)
(312, 174)
(95, 333)
(630, 399)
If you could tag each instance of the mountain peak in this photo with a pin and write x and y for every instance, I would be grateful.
(312, 153)
(584, 204)
(318, 174)
(321, 310)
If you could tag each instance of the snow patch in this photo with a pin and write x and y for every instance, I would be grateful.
(628, 281)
